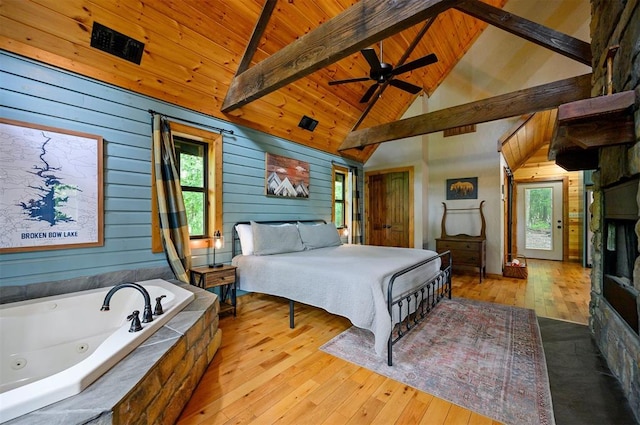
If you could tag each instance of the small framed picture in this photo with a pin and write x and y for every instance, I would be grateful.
(464, 188)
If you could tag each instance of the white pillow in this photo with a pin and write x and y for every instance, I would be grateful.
(246, 238)
(319, 235)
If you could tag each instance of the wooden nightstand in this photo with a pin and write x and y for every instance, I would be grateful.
(224, 277)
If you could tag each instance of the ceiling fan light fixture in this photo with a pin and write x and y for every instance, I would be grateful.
(384, 73)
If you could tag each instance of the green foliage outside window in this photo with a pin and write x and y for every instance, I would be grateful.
(194, 206)
(539, 208)
(192, 163)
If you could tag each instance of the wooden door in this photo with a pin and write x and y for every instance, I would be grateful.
(390, 207)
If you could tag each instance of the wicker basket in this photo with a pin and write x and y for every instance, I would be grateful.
(519, 271)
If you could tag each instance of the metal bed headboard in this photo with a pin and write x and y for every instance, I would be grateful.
(235, 239)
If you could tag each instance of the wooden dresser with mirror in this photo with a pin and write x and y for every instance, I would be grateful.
(466, 250)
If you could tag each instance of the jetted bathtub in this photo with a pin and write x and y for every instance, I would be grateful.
(54, 347)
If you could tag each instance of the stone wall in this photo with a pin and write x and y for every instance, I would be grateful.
(162, 394)
(615, 22)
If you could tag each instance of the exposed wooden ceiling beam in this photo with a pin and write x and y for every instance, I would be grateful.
(504, 106)
(546, 37)
(261, 25)
(363, 24)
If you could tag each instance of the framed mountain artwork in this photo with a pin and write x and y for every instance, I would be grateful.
(286, 177)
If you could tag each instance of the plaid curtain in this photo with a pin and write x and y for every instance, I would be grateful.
(173, 218)
(356, 216)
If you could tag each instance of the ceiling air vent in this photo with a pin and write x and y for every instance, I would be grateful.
(116, 43)
(307, 123)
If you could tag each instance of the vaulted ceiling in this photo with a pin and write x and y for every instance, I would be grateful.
(193, 49)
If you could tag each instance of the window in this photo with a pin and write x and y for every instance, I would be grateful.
(199, 157)
(193, 166)
(340, 197)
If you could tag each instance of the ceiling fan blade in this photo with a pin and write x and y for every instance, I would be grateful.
(403, 85)
(350, 80)
(418, 63)
(371, 57)
(369, 93)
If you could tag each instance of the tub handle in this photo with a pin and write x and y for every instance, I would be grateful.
(158, 308)
(135, 321)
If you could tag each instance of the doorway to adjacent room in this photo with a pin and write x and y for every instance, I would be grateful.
(540, 220)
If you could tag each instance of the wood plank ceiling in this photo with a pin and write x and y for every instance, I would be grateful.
(193, 49)
(530, 136)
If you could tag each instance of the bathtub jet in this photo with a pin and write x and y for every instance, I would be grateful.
(147, 316)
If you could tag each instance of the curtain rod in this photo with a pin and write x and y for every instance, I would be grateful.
(218, 129)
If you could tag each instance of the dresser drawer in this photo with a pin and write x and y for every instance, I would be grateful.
(457, 245)
(224, 277)
(465, 257)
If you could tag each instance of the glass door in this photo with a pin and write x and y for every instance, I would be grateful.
(540, 220)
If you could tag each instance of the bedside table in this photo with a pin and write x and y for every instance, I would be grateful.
(207, 277)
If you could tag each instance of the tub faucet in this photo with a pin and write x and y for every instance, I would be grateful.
(147, 316)
(135, 321)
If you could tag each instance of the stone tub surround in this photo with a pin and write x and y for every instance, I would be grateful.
(154, 382)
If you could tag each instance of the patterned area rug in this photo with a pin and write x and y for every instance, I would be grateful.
(485, 357)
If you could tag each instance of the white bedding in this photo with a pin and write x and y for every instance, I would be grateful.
(348, 280)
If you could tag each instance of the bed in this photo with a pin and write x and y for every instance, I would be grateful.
(385, 290)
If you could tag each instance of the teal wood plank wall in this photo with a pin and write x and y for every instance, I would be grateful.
(40, 94)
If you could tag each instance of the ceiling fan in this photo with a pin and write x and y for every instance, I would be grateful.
(382, 72)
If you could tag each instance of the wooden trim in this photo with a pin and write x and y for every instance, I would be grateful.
(456, 131)
(505, 215)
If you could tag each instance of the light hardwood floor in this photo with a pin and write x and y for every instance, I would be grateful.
(266, 373)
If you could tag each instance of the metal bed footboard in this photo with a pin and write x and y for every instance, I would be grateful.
(423, 299)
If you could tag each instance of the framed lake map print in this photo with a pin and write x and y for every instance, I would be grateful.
(50, 188)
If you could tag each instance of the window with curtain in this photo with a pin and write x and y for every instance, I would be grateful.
(199, 157)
